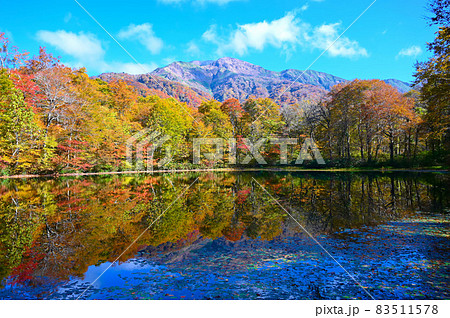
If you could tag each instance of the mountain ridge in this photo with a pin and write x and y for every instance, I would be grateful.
(233, 78)
(227, 77)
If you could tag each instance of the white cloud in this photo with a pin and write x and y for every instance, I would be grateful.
(82, 46)
(192, 48)
(278, 33)
(411, 51)
(144, 34)
(220, 2)
(87, 51)
(322, 37)
(285, 33)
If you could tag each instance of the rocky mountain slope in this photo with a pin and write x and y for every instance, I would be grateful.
(229, 77)
(147, 84)
(402, 87)
(193, 82)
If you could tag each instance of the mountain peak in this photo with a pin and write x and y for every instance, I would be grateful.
(228, 77)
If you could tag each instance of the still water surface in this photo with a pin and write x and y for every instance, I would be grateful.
(225, 237)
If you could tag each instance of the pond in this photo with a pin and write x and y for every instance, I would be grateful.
(252, 235)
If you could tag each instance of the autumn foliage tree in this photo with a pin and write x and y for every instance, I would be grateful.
(367, 116)
(59, 119)
(20, 134)
(10, 57)
(433, 76)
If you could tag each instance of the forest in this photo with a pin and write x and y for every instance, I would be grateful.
(57, 119)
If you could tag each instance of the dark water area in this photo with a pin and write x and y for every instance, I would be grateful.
(224, 236)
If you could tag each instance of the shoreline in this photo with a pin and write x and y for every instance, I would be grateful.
(85, 174)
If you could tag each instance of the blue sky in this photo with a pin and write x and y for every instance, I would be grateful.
(276, 34)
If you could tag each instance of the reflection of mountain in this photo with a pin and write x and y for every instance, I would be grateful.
(227, 78)
(54, 229)
(170, 252)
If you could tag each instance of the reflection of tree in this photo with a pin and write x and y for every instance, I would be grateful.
(347, 201)
(57, 228)
(19, 223)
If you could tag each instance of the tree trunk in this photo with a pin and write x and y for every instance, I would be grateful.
(391, 150)
(416, 141)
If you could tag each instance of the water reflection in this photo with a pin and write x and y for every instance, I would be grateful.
(52, 231)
